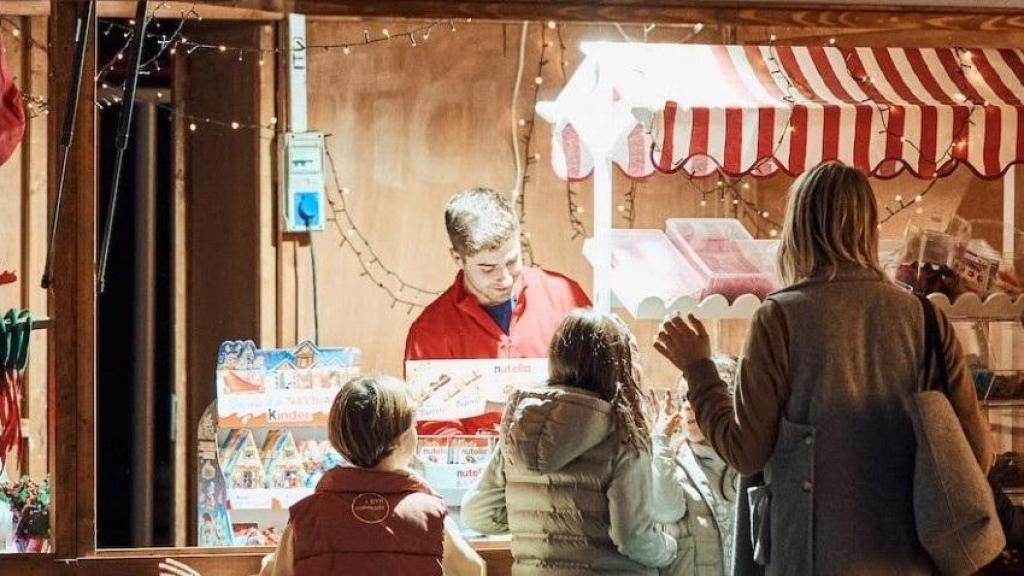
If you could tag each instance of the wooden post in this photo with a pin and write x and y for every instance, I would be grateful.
(72, 351)
(34, 181)
(182, 462)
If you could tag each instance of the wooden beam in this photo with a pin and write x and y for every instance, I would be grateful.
(179, 190)
(222, 179)
(36, 215)
(126, 9)
(266, 150)
(945, 16)
(286, 291)
(72, 352)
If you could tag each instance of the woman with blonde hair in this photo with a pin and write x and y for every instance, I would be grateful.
(821, 382)
(571, 477)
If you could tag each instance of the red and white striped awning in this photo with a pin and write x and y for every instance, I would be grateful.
(760, 109)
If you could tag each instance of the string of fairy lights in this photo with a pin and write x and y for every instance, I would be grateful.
(575, 210)
(530, 157)
(401, 291)
(733, 192)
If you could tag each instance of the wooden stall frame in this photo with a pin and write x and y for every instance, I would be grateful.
(71, 358)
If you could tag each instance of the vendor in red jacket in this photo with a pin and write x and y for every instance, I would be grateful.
(496, 308)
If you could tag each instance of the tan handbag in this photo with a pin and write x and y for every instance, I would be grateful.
(953, 505)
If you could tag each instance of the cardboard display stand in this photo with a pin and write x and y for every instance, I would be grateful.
(458, 389)
(263, 445)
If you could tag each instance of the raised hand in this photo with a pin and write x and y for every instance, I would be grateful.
(683, 343)
(667, 419)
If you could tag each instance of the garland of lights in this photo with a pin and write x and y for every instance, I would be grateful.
(372, 266)
(574, 209)
(727, 189)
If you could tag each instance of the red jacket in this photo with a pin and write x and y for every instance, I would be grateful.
(456, 327)
(12, 113)
(368, 522)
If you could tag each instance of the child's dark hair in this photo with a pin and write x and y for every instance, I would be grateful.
(369, 415)
(597, 352)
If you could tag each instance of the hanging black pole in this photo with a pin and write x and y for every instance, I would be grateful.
(124, 125)
(82, 29)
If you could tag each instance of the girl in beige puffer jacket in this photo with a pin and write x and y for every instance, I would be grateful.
(571, 477)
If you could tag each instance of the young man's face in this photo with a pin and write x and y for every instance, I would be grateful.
(490, 275)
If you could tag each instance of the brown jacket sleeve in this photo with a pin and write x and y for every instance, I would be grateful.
(962, 395)
(745, 435)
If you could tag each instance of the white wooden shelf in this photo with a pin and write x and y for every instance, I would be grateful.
(642, 291)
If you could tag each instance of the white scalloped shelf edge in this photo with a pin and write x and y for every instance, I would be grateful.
(996, 307)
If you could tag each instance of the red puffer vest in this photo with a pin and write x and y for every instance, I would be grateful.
(369, 522)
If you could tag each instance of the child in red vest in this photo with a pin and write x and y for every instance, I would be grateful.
(373, 516)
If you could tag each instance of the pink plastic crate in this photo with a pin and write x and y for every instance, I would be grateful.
(725, 257)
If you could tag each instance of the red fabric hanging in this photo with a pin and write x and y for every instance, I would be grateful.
(12, 112)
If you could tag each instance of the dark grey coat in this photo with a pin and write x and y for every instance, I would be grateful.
(819, 411)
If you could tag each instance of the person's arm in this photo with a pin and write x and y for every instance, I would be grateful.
(669, 498)
(963, 396)
(459, 558)
(743, 431)
(483, 506)
(631, 521)
(282, 561)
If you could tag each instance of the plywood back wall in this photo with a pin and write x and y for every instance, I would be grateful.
(23, 218)
(409, 126)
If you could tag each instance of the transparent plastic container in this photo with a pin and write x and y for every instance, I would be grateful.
(726, 258)
(645, 263)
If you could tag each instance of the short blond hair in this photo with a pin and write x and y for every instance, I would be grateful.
(479, 219)
(831, 218)
(369, 415)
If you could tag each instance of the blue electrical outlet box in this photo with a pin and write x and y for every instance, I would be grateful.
(303, 204)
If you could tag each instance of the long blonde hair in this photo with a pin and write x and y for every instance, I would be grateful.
(597, 352)
(831, 218)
